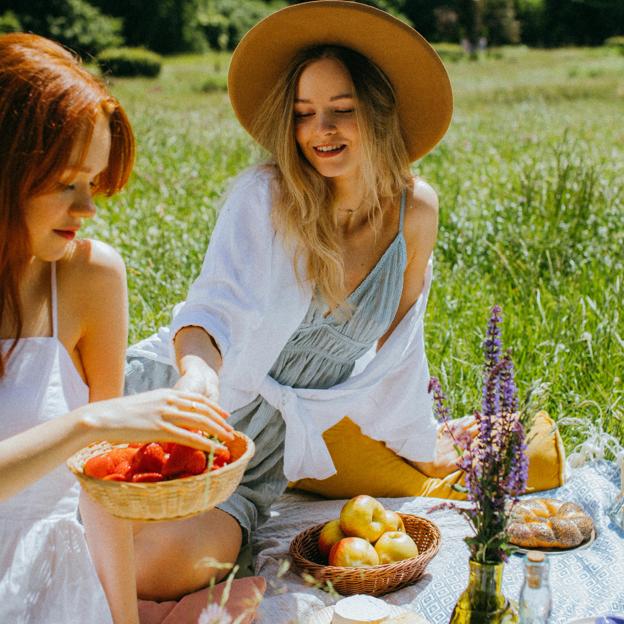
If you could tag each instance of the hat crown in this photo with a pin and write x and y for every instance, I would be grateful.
(419, 79)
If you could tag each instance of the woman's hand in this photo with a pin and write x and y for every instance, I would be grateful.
(197, 376)
(446, 455)
(163, 415)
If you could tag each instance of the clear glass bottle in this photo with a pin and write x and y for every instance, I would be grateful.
(535, 598)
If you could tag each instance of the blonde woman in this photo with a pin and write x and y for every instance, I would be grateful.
(310, 302)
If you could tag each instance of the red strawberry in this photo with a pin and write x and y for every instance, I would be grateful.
(124, 468)
(122, 456)
(149, 458)
(196, 463)
(183, 475)
(179, 456)
(147, 477)
(99, 466)
(221, 457)
(218, 462)
(114, 477)
(223, 454)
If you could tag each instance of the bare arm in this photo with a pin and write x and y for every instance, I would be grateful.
(420, 228)
(158, 415)
(102, 348)
(420, 231)
(199, 361)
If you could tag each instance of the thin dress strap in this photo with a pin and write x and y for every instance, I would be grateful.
(402, 211)
(54, 302)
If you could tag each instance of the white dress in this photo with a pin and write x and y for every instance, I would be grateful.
(46, 572)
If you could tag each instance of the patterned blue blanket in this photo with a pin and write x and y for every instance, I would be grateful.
(586, 582)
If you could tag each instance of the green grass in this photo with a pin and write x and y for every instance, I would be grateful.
(530, 179)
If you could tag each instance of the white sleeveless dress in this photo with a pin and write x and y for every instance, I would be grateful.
(46, 573)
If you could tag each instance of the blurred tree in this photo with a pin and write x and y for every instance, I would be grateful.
(165, 26)
(74, 23)
(9, 22)
(447, 24)
(470, 15)
(422, 15)
(500, 24)
(582, 22)
(224, 22)
(532, 17)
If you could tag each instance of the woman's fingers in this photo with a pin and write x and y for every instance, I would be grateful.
(195, 402)
(194, 410)
(182, 436)
(214, 426)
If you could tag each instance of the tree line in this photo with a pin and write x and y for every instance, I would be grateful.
(172, 26)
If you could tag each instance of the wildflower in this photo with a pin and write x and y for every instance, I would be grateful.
(214, 614)
(495, 462)
(440, 409)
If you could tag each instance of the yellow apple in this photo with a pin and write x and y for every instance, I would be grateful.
(395, 546)
(392, 521)
(329, 535)
(353, 552)
(363, 516)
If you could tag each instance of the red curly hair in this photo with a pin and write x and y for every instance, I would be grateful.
(49, 105)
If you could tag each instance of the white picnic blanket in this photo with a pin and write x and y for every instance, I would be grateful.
(584, 582)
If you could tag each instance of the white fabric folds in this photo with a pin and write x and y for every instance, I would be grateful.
(248, 299)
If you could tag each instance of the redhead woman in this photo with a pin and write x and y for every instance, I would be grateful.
(311, 299)
(63, 332)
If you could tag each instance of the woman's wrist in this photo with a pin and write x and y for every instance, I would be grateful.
(86, 427)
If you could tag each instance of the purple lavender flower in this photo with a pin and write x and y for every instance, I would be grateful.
(492, 346)
(492, 342)
(516, 479)
(509, 392)
(440, 408)
(495, 462)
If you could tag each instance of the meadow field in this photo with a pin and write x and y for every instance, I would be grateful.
(531, 185)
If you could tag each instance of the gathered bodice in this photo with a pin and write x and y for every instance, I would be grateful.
(323, 350)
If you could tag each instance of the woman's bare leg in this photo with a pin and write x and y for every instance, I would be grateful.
(111, 544)
(178, 557)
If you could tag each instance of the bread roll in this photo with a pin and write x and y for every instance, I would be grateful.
(548, 523)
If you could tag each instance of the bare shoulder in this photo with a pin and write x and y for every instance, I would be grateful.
(94, 260)
(93, 271)
(421, 219)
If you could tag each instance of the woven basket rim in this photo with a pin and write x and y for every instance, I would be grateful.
(428, 554)
(79, 472)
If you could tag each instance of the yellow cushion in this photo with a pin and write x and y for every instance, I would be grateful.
(365, 466)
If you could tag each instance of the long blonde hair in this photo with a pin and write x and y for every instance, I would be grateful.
(302, 209)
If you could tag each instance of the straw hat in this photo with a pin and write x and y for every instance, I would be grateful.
(421, 84)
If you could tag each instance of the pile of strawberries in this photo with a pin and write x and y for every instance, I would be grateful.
(156, 461)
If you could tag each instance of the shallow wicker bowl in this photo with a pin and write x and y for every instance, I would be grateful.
(164, 500)
(376, 580)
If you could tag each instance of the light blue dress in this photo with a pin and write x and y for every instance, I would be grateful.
(320, 354)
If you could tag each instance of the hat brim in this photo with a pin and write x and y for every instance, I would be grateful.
(420, 81)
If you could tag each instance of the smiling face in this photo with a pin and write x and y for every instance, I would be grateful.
(54, 217)
(326, 128)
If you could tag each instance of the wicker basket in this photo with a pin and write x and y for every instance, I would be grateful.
(375, 580)
(164, 500)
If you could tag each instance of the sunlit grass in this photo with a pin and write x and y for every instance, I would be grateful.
(530, 179)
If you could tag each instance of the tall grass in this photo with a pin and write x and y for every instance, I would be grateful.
(530, 179)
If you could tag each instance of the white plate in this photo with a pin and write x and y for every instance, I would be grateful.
(561, 551)
(324, 616)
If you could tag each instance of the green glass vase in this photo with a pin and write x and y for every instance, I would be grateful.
(483, 602)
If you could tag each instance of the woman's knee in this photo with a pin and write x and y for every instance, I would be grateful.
(178, 558)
